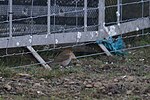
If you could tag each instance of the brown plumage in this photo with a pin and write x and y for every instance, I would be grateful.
(64, 58)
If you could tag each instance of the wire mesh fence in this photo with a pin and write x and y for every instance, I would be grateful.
(31, 22)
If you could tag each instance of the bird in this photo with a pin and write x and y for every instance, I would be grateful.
(64, 58)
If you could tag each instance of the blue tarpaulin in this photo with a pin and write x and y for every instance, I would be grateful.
(114, 46)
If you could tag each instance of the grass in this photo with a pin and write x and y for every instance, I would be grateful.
(7, 72)
(97, 64)
(134, 98)
(147, 75)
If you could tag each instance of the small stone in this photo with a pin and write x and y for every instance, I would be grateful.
(37, 85)
(112, 63)
(89, 81)
(97, 84)
(116, 80)
(109, 93)
(106, 62)
(124, 76)
(7, 87)
(76, 97)
(141, 59)
(85, 82)
(129, 92)
(42, 79)
(101, 88)
(129, 51)
(2, 79)
(19, 89)
(78, 65)
(129, 45)
(66, 85)
(19, 84)
(129, 59)
(40, 92)
(71, 82)
(23, 75)
(66, 79)
(89, 86)
(129, 78)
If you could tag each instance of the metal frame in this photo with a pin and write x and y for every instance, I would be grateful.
(49, 17)
(29, 39)
(10, 18)
(85, 15)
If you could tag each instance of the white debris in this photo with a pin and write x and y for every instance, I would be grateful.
(31, 36)
(137, 29)
(17, 44)
(56, 41)
(118, 24)
(30, 40)
(124, 76)
(79, 35)
(141, 59)
(40, 93)
(106, 29)
(106, 62)
(97, 34)
(112, 31)
(117, 13)
(46, 36)
(92, 35)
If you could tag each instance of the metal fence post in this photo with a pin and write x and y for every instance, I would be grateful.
(121, 10)
(101, 14)
(149, 9)
(49, 17)
(85, 15)
(10, 18)
(118, 12)
(101, 22)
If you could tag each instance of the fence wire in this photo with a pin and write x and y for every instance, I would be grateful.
(45, 17)
(83, 56)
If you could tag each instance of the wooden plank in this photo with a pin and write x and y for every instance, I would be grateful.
(101, 17)
(39, 58)
(105, 50)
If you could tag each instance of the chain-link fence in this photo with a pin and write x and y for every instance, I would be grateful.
(31, 16)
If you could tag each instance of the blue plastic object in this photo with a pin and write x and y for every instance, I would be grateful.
(114, 46)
